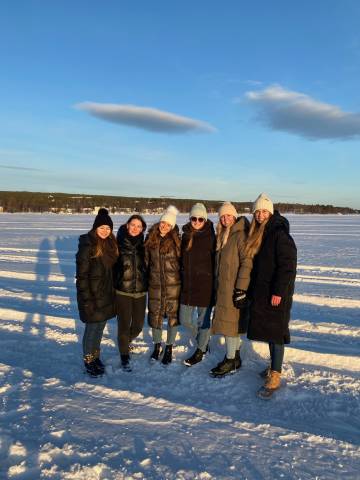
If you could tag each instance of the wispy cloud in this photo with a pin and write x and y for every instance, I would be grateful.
(146, 118)
(29, 169)
(297, 113)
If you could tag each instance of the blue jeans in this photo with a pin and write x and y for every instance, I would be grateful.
(197, 320)
(92, 338)
(277, 355)
(232, 344)
(171, 335)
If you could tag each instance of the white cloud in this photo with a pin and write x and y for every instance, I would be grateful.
(146, 118)
(12, 167)
(297, 113)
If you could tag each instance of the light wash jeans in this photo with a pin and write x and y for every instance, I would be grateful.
(232, 344)
(92, 337)
(197, 320)
(170, 338)
(277, 355)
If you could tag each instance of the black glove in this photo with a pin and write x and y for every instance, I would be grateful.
(239, 298)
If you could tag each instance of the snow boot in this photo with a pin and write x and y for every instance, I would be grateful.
(92, 369)
(156, 353)
(167, 357)
(125, 362)
(272, 383)
(195, 358)
(237, 360)
(100, 365)
(225, 367)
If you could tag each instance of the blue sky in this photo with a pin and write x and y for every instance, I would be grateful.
(193, 99)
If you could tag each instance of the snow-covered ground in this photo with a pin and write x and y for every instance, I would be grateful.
(175, 422)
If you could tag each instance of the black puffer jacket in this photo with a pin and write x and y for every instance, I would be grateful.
(273, 273)
(162, 258)
(94, 283)
(197, 266)
(130, 275)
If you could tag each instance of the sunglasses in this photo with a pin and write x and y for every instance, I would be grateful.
(197, 219)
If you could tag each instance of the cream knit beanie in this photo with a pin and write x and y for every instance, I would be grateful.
(169, 216)
(263, 202)
(198, 210)
(227, 208)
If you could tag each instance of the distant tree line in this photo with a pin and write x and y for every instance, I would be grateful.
(63, 202)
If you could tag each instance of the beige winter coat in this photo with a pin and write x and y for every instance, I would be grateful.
(233, 270)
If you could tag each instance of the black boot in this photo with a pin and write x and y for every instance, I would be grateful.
(156, 353)
(195, 358)
(100, 365)
(125, 362)
(237, 360)
(92, 369)
(167, 357)
(225, 367)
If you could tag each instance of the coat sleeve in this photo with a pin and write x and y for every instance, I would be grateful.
(82, 275)
(286, 259)
(245, 265)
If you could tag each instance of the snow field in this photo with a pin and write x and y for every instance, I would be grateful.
(175, 422)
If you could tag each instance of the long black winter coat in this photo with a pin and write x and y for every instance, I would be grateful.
(273, 273)
(197, 266)
(164, 278)
(130, 275)
(94, 283)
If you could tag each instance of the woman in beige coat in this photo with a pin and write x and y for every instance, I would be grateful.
(232, 271)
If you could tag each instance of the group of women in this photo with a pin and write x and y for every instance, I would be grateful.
(235, 281)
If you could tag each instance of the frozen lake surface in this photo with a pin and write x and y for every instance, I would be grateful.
(174, 422)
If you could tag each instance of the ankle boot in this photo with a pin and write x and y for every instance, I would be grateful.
(167, 357)
(225, 367)
(92, 369)
(156, 353)
(237, 360)
(195, 358)
(125, 362)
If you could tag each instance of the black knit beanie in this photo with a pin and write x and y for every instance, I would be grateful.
(103, 218)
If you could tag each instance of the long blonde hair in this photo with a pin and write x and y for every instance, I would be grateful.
(222, 235)
(255, 237)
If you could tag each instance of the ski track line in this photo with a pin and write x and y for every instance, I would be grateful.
(336, 302)
(51, 299)
(52, 277)
(350, 282)
(328, 328)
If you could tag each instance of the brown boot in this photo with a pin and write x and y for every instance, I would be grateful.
(273, 380)
(272, 383)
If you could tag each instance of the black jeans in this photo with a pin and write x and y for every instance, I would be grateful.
(92, 338)
(130, 316)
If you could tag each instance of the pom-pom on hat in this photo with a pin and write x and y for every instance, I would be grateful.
(169, 216)
(103, 218)
(227, 208)
(263, 202)
(198, 210)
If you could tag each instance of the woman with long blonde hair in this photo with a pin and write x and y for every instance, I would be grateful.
(272, 286)
(232, 277)
(96, 256)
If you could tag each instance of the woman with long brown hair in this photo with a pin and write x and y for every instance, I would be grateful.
(162, 254)
(96, 256)
(272, 286)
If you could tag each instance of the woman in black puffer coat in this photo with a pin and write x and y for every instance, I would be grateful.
(271, 286)
(95, 259)
(130, 280)
(162, 252)
(198, 244)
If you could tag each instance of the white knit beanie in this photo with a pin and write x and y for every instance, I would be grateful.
(198, 210)
(169, 216)
(227, 208)
(263, 202)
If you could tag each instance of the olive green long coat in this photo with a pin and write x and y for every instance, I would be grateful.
(233, 270)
